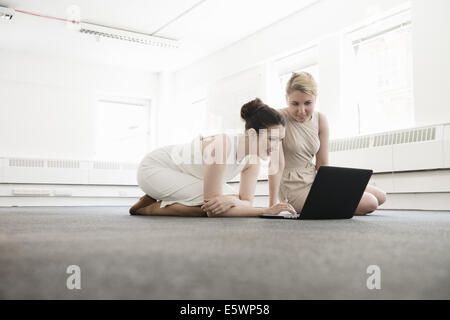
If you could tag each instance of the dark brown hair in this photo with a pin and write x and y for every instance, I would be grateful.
(258, 115)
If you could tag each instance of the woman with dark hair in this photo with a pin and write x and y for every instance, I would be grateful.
(190, 179)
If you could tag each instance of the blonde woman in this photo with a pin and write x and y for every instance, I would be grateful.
(190, 179)
(306, 137)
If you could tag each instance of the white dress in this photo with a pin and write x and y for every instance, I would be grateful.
(174, 173)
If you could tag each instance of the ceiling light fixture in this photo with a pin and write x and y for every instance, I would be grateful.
(118, 34)
(101, 31)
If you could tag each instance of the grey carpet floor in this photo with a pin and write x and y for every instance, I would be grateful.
(134, 257)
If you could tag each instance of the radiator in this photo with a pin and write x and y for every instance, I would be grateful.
(52, 171)
(412, 149)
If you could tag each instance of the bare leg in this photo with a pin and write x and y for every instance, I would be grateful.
(175, 209)
(378, 193)
(143, 202)
(367, 204)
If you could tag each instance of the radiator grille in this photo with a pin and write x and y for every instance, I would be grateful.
(411, 136)
(63, 164)
(384, 139)
(350, 144)
(103, 165)
(29, 163)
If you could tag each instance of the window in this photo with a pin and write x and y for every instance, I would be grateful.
(122, 129)
(382, 81)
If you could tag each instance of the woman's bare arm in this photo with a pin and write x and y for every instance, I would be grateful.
(219, 204)
(215, 201)
(254, 212)
(242, 207)
(215, 157)
(247, 185)
(275, 178)
(322, 154)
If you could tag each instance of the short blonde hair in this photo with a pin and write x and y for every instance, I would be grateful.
(302, 81)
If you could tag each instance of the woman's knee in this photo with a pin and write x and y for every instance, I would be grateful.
(368, 204)
(381, 197)
(378, 193)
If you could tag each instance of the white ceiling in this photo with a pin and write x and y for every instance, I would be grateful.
(202, 26)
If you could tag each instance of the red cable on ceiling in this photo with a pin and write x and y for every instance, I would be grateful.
(44, 16)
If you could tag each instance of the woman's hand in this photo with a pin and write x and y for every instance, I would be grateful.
(218, 205)
(280, 207)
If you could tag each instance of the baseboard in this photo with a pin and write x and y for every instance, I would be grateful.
(67, 195)
(66, 201)
(430, 201)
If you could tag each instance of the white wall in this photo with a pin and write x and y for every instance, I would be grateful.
(431, 43)
(288, 35)
(323, 24)
(330, 90)
(47, 105)
(226, 96)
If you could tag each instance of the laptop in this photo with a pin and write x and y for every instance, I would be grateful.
(334, 194)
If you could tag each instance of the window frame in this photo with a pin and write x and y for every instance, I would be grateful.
(370, 32)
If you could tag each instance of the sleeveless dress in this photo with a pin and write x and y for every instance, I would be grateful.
(300, 145)
(174, 173)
